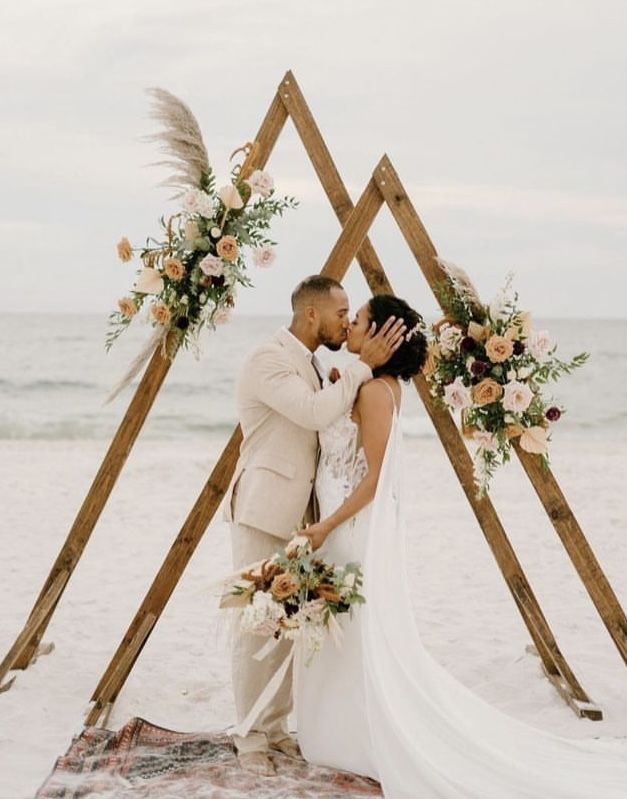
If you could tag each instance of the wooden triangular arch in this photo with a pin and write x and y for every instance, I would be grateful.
(384, 187)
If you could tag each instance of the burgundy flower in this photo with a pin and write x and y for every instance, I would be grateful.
(479, 368)
(467, 345)
(519, 348)
(182, 323)
(553, 413)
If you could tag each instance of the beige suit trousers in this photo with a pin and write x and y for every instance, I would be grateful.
(251, 676)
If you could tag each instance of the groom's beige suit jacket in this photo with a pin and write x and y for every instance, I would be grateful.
(281, 407)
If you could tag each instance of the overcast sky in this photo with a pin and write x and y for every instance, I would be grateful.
(507, 122)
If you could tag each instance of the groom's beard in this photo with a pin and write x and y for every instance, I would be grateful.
(329, 341)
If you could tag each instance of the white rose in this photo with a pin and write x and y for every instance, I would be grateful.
(540, 344)
(261, 183)
(216, 232)
(524, 372)
(516, 396)
(511, 375)
(212, 266)
(196, 201)
(457, 396)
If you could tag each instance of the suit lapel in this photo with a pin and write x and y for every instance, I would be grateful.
(298, 358)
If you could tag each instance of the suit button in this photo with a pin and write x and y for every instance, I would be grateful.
(312, 480)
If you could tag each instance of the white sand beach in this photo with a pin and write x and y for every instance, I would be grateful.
(181, 680)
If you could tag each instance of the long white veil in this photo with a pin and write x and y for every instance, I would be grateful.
(433, 736)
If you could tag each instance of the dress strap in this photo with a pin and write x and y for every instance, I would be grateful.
(389, 388)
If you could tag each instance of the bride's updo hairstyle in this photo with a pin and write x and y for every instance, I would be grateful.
(410, 357)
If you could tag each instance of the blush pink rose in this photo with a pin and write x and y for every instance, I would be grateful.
(264, 256)
(261, 183)
(457, 396)
(516, 396)
(212, 266)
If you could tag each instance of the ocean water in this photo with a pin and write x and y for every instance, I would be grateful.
(55, 376)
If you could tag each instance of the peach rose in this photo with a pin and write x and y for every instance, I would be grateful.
(328, 592)
(499, 349)
(125, 250)
(161, 313)
(127, 306)
(174, 269)
(227, 248)
(487, 391)
(283, 586)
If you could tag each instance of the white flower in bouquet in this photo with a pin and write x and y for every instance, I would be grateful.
(540, 344)
(262, 615)
(449, 338)
(524, 372)
(457, 396)
(264, 256)
(211, 266)
(261, 183)
(149, 281)
(501, 305)
(196, 201)
(516, 396)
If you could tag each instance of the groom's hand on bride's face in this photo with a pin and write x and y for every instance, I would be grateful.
(378, 347)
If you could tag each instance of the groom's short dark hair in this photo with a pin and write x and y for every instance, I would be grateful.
(312, 287)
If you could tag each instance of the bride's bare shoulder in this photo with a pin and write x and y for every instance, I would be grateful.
(374, 398)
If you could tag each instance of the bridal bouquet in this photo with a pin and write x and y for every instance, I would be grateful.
(489, 363)
(188, 276)
(295, 595)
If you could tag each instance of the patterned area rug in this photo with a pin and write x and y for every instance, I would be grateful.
(143, 760)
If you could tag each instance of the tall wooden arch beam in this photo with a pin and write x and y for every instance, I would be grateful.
(384, 186)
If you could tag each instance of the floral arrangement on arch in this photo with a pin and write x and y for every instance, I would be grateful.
(295, 596)
(188, 278)
(489, 363)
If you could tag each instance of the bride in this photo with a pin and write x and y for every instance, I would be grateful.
(380, 705)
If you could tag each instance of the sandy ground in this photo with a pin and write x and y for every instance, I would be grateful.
(181, 680)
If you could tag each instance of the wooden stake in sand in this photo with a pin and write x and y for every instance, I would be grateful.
(384, 187)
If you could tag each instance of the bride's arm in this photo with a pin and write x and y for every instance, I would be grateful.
(375, 409)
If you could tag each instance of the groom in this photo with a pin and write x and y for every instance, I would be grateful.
(281, 406)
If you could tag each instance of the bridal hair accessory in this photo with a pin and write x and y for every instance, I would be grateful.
(187, 278)
(487, 362)
(292, 596)
(417, 328)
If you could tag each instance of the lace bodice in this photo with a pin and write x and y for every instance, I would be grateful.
(342, 463)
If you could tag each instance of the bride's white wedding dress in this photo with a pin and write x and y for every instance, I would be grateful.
(383, 707)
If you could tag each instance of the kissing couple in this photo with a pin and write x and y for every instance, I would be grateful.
(327, 454)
